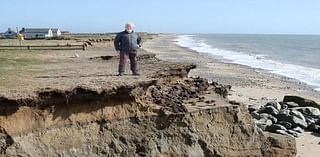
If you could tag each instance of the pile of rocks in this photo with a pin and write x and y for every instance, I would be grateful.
(290, 117)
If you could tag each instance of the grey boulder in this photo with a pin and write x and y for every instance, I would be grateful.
(255, 115)
(263, 123)
(274, 127)
(274, 104)
(310, 111)
(269, 110)
(302, 102)
(294, 133)
(294, 120)
(283, 132)
(291, 104)
(298, 129)
(298, 114)
(286, 124)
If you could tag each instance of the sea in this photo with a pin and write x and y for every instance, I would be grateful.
(293, 56)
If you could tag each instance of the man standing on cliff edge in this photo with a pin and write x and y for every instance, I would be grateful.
(127, 44)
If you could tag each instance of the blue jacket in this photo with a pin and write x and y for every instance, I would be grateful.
(127, 42)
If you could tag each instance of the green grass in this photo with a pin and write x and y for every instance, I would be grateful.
(15, 66)
(16, 61)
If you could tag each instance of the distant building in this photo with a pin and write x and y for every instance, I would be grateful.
(36, 33)
(40, 33)
(56, 32)
(9, 33)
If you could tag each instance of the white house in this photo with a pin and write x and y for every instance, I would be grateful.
(56, 32)
(40, 33)
(36, 33)
(10, 33)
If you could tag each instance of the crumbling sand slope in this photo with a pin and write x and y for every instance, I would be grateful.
(160, 113)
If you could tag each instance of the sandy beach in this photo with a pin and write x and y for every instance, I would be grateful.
(249, 86)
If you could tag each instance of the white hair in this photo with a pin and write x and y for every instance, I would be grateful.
(129, 24)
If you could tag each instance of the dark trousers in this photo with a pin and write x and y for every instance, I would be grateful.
(123, 59)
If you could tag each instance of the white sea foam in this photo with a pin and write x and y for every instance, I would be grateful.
(307, 75)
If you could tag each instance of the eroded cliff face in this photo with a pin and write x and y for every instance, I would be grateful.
(168, 114)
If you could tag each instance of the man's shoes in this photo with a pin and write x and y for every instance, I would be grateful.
(134, 74)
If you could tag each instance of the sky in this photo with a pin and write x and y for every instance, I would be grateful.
(166, 16)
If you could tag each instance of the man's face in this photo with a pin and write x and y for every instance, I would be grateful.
(129, 28)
